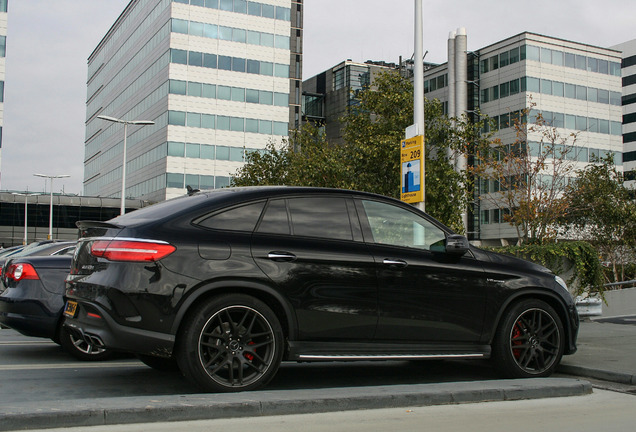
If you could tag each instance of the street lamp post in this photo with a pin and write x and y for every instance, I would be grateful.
(26, 201)
(123, 167)
(418, 84)
(50, 236)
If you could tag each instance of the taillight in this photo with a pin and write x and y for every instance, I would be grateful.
(131, 250)
(21, 271)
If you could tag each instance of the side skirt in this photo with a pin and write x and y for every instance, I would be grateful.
(346, 351)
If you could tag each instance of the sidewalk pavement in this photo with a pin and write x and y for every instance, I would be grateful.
(606, 351)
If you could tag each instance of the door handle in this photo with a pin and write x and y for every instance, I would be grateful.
(281, 256)
(395, 262)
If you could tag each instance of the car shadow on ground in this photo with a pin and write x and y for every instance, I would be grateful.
(43, 371)
(380, 373)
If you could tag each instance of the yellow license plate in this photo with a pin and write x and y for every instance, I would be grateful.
(70, 309)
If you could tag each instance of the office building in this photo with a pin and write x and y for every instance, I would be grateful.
(628, 64)
(24, 217)
(576, 87)
(3, 52)
(328, 95)
(219, 78)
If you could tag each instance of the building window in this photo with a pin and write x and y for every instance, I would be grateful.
(532, 53)
(174, 180)
(485, 217)
(242, 7)
(571, 60)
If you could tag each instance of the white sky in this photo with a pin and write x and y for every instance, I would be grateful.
(49, 42)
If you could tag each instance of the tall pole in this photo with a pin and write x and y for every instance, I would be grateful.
(50, 235)
(26, 202)
(122, 210)
(418, 89)
(123, 174)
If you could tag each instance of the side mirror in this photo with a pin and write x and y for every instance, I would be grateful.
(457, 244)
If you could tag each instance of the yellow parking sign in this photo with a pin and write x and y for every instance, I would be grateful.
(412, 165)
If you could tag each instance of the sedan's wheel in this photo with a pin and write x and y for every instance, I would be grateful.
(232, 343)
(530, 340)
(80, 349)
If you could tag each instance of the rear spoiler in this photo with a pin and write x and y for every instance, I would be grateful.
(92, 228)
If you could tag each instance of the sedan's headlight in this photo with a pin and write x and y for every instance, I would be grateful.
(561, 282)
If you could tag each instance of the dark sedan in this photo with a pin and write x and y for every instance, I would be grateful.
(40, 248)
(31, 299)
(229, 283)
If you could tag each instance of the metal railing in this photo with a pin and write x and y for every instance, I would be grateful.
(614, 284)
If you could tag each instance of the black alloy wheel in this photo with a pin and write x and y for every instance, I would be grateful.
(232, 343)
(80, 349)
(530, 341)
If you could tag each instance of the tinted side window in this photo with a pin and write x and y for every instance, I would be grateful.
(275, 218)
(324, 217)
(396, 226)
(242, 218)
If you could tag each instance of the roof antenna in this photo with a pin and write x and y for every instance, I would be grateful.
(191, 191)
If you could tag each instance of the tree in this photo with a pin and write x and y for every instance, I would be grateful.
(602, 211)
(526, 180)
(373, 128)
(303, 159)
(370, 159)
(267, 168)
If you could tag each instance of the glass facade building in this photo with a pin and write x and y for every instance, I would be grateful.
(219, 78)
(628, 103)
(3, 52)
(67, 210)
(328, 95)
(575, 87)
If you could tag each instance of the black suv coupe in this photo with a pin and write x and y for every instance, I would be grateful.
(226, 284)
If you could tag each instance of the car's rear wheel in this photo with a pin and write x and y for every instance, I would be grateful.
(80, 349)
(231, 343)
(530, 340)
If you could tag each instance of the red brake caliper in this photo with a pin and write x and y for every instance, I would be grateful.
(249, 356)
(516, 334)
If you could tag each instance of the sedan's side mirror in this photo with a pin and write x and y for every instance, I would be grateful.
(457, 244)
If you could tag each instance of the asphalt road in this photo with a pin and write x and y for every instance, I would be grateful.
(38, 370)
(600, 411)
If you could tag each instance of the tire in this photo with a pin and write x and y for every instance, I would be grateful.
(529, 341)
(80, 349)
(231, 343)
(160, 363)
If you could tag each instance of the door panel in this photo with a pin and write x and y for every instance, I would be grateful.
(429, 296)
(425, 294)
(330, 281)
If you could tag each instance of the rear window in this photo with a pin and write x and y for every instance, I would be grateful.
(242, 218)
(320, 217)
(323, 217)
(160, 210)
(275, 220)
(43, 249)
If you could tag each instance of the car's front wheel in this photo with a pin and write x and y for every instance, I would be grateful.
(529, 341)
(231, 343)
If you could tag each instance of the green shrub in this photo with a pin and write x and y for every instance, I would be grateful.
(577, 262)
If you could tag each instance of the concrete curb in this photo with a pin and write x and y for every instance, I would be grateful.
(605, 375)
(127, 410)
